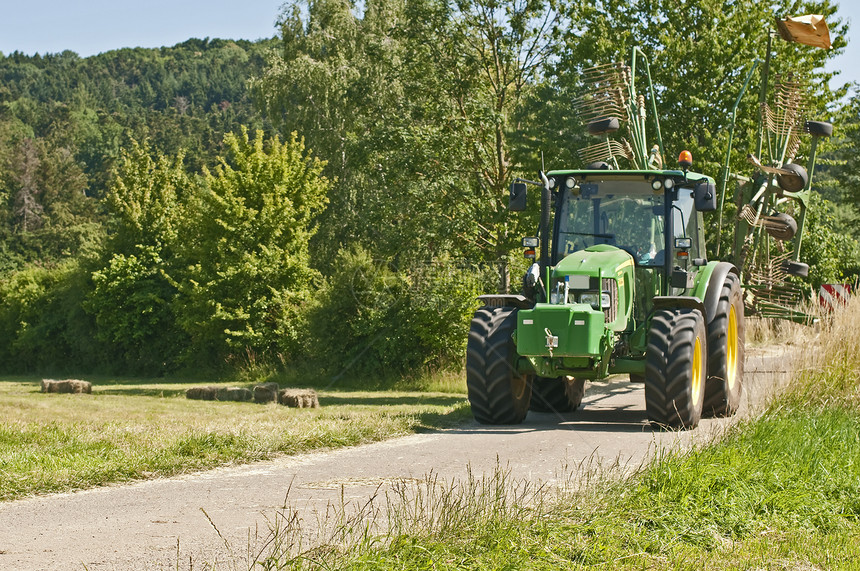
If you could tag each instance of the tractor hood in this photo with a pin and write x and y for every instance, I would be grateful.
(601, 260)
(590, 299)
(602, 269)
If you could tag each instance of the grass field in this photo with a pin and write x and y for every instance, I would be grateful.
(134, 429)
(779, 491)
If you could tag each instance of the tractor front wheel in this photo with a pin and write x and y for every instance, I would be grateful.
(498, 393)
(676, 368)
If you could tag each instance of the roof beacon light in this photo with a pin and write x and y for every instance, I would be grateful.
(685, 160)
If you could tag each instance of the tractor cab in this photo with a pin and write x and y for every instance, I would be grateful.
(651, 215)
(634, 212)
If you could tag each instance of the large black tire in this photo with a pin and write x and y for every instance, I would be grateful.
(726, 351)
(676, 368)
(556, 395)
(498, 393)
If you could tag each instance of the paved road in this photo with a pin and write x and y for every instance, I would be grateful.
(171, 523)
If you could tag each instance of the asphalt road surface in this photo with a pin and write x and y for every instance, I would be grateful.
(219, 516)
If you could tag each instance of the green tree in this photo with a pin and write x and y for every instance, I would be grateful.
(413, 104)
(46, 215)
(146, 200)
(392, 320)
(248, 277)
(833, 256)
(132, 301)
(43, 327)
(134, 291)
(27, 209)
(333, 78)
(482, 59)
(839, 163)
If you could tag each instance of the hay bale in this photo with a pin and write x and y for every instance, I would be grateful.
(267, 392)
(81, 387)
(194, 393)
(299, 398)
(72, 386)
(219, 393)
(202, 393)
(236, 394)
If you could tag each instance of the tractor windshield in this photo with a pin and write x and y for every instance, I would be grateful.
(625, 213)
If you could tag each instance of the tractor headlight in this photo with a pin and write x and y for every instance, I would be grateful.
(684, 243)
(596, 300)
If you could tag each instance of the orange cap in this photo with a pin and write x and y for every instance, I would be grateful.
(685, 159)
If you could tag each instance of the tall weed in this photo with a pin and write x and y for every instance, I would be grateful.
(827, 363)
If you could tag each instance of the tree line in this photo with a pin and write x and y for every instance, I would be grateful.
(338, 194)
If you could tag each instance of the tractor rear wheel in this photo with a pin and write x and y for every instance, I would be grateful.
(676, 368)
(498, 393)
(556, 395)
(726, 352)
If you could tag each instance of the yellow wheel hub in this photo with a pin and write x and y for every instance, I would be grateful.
(697, 371)
(732, 349)
(518, 386)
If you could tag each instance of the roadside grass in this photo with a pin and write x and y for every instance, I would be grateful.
(780, 490)
(764, 331)
(135, 429)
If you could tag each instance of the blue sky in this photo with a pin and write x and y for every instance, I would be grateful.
(94, 26)
(848, 63)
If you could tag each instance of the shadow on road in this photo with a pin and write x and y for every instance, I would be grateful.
(613, 406)
(622, 419)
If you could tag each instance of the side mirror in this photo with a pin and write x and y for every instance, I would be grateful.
(517, 200)
(705, 196)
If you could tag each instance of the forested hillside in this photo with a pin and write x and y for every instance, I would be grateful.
(339, 194)
(64, 121)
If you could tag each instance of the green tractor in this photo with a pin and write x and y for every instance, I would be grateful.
(623, 283)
